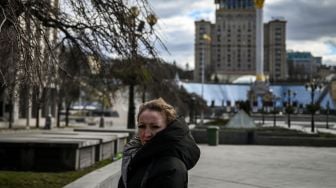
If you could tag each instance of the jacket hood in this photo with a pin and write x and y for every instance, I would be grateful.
(174, 141)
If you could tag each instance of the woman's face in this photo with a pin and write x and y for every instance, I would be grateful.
(149, 124)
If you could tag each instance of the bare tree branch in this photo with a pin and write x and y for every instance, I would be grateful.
(99, 28)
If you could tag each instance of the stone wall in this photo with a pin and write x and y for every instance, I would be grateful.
(225, 137)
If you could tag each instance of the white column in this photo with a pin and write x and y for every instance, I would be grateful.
(259, 45)
(259, 41)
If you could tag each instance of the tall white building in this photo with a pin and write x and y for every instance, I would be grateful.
(232, 50)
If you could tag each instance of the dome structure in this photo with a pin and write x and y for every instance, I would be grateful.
(247, 79)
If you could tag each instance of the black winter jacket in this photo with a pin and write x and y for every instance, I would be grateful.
(161, 163)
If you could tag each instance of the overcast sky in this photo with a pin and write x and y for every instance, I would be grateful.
(311, 25)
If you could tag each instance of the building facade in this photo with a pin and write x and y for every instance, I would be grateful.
(302, 65)
(231, 52)
(275, 50)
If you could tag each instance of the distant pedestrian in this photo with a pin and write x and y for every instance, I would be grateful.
(162, 152)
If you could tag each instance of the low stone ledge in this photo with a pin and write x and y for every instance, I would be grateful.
(106, 148)
(286, 134)
(26, 152)
(123, 135)
(225, 137)
(106, 177)
(242, 137)
(295, 141)
(131, 132)
(200, 136)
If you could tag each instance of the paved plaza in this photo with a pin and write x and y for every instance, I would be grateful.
(228, 166)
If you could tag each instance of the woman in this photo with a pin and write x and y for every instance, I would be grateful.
(162, 153)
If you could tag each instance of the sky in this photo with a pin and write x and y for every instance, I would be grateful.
(311, 26)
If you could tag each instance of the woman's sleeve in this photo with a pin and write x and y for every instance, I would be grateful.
(168, 173)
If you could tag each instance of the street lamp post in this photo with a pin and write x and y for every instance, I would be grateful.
(136, 26)
(289, 106)
(312, 87)
(263, 112)
(327, 113)
(274, 98)
(192, 110)
(102, 119)
(202, 80)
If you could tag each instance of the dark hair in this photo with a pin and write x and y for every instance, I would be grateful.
(161, 106)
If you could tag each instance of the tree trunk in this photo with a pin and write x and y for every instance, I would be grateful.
(38, 115)
(10, 121)
(28, 107)
(67, 111)
(131, 108)
(59, 108)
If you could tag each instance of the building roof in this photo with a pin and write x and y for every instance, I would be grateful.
(246, 79)
(299, 55)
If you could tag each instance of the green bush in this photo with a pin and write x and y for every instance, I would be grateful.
(326, 135)
(219, 122)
